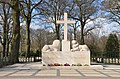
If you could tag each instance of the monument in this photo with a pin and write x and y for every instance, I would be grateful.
(79, 54)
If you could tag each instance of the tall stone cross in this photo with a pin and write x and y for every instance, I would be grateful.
(65, 22)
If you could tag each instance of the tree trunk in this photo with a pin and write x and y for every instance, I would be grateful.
(57, 28)
(82, 35)
(7, 40)
(4, 33)
(28, 38)
(4, 41)
(28, 21)
(7, 48)
(21, 44)
(16, 32)
(58, 32)
(74, 33)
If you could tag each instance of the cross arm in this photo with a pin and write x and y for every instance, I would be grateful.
(60, 22)
(71, 22)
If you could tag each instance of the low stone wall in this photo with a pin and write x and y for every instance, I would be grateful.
(62, 57)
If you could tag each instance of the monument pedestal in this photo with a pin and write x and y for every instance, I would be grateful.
(69, 57)
(65, 45)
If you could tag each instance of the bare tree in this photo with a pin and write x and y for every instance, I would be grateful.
(112, 7)
(22, 39)
(16, 31)
(38, 39)
(53, 10)
(5, 15)
(74, 30)
(14, 4)
(82, 10)
(27, 13)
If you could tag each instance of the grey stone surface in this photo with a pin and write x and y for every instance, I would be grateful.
(54, 47)
(69, 57)
(15, 71)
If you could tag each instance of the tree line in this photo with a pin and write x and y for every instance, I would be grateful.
(16, 37)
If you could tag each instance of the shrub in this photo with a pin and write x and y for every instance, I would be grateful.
(50, 64)
(86, 65)
(66, 64)
(79, 64)
(56, 64)
(61, 64)
(74, 65)
(44, 65)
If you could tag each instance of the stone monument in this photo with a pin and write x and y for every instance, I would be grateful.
(79, 54)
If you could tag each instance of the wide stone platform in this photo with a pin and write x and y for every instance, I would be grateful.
(60, 72)
(34, 71)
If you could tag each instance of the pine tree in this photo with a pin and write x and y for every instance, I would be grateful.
(112, 46)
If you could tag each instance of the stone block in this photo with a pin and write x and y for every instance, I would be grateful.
(65, 45)
(69, 57)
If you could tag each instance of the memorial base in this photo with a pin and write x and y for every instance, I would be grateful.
(65, 45)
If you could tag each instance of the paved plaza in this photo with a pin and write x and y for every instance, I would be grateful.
(26, 71)
(58, 72)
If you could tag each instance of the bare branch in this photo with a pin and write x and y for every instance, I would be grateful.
(36, 5)
(6, 2)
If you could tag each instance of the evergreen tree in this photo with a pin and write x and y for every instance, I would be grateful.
(112, 46)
